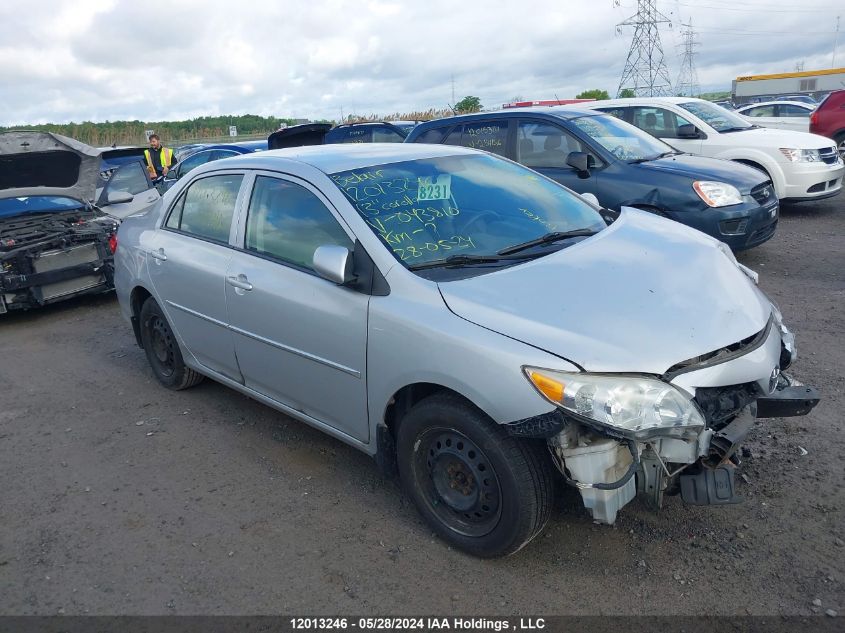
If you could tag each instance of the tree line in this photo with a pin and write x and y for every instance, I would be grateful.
(133, 132)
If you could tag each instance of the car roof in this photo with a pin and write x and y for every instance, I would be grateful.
(558, 111)
(630, 100)
(802, 104)
(340, 157)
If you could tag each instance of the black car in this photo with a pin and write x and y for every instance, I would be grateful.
(326, 134)
(54, 242)
(622, 166)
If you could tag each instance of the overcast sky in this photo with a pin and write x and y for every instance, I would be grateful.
(103, 60)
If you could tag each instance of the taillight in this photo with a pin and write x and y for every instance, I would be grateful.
(814, 118)
(113, 243)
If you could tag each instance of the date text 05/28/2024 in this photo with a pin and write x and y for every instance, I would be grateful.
(410, 624)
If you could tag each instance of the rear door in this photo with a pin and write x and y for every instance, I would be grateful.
(544, 147)
(188, 258)
(299, 339)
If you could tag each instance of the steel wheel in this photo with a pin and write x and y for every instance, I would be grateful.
(461, 486)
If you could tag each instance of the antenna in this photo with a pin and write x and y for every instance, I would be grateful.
(687, 84)
(645, 70)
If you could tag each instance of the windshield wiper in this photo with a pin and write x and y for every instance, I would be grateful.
(636, 161)
(737, 128)
(457, 261)
(548, 238)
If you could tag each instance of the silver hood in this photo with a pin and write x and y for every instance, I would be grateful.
(642, 295)
(46, 164)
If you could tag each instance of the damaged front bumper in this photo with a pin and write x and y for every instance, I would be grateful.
(610, 469)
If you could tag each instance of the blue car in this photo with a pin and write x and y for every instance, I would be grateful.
(203, 154)
(622, 166)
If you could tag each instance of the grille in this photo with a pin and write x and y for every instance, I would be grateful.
(720, 405)
(763, 193)
(829, 155)
(58, 259)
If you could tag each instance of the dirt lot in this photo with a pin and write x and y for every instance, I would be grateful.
(119, 497)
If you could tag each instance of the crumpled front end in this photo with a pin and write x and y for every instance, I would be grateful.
(47, 259)
(615, 436)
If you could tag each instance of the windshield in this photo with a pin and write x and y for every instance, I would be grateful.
(428, 209)
(621, 139)
(717, 117)
(37, 204)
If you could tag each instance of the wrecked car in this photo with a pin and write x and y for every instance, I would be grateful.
(54, 243)
(471, 324)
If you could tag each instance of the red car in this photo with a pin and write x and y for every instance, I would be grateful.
(829, 119)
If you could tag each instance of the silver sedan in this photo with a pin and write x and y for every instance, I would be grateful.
(471, 324)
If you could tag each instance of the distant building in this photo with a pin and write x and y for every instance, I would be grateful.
(815, 83)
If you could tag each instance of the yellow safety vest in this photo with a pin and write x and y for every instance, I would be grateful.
(165, 158)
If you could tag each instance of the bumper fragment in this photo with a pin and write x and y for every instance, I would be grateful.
(710, 486)
(787, 402)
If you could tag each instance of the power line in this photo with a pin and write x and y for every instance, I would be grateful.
(645, 70)
(687, 84)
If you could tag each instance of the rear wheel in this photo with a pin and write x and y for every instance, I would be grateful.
(480, 489)
(163, 351)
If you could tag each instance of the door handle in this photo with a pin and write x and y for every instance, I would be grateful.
(240, 282)
(159, 255)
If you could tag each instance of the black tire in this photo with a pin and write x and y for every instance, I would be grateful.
(481, 490)
(840, 144)
(163, 351)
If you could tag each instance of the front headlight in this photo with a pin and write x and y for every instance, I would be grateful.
(801, 155)
(717, 194)
(629, 406)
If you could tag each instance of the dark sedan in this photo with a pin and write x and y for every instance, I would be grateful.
(203, 154)
(623, 167)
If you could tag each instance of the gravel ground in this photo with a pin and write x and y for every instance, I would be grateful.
(120, 497)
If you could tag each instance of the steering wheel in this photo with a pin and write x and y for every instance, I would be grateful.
(478, 218)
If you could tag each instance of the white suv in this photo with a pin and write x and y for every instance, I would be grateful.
(801, 166)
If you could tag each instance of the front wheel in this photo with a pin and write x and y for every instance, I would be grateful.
(480, 489)
(163, 351)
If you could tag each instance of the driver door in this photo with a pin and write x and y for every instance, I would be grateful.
(130, 178)
(544, 147)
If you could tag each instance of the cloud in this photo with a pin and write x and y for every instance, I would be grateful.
(97, 60)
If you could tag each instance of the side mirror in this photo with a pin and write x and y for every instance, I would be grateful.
(579, 161)
(688, 130)
(334, 263)
(117, 197)
(172, 174)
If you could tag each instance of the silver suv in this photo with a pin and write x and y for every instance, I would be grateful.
(466, 321)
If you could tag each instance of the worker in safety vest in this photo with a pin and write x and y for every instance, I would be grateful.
(159, 159)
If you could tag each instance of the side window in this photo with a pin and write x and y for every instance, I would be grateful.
(788, 110)
(353, 135)
(454, 137)
(131, 178)
(619, 113)
(386, 135)
(657, 121)
(193, 161)
(767, 110)
(436, 135)
(288, 222)
(491, 136)
(544, 145)
(207, 208)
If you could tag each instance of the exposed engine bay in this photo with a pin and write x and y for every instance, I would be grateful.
(45, 257)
